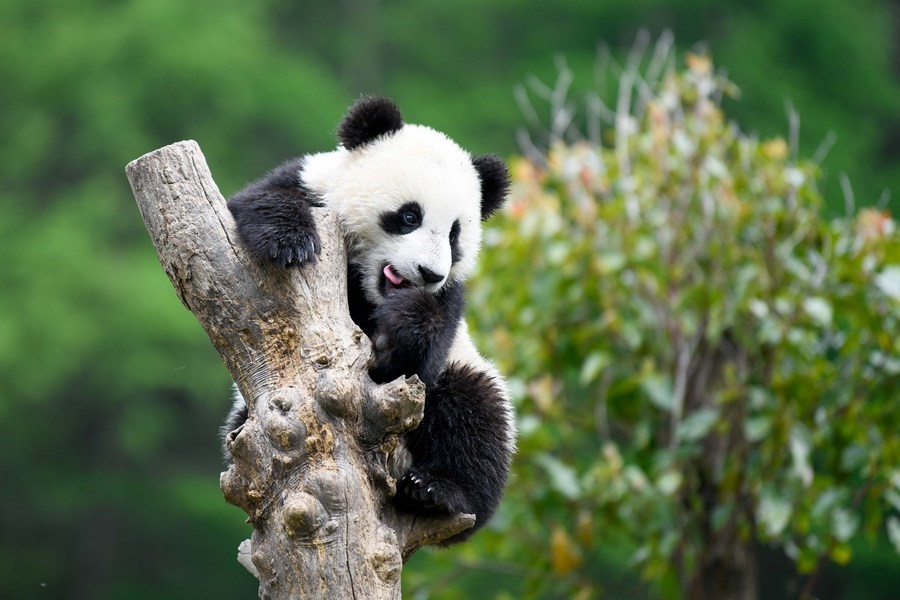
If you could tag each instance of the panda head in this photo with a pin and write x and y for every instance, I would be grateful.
(411, 200)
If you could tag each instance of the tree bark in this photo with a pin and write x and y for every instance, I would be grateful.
(310, 464)
(726, 565)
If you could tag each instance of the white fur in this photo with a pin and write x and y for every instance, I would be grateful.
(415, 164)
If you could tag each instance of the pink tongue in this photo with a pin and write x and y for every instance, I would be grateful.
(392, 276)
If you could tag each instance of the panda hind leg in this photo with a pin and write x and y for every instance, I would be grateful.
(419, 492)
(461, 450)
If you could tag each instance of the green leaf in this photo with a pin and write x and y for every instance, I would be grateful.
(801, 445)
(698, 424)
(562, 477)
(721, 514)
(888, 281)
(854, 457)
(893, 497)
(659, 391)
(611, 262)
(844, 524)
(635, 478)
(756, 428)
(517, 388)
(819, 309)
(669, 483)
(557, 253)
(828, 499)
(592, 366)
(893, 530)
(773, 513)
(528, 424)
(841, 554)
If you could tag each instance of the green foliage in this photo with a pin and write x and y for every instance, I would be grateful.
(110, 395)
(700, 356)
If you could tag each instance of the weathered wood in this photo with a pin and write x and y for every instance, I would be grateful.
(310, 463)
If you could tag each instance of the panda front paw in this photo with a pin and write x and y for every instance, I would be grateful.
(294, 249)
(285, 245)
(409, 335)
(275, 221)
(394, 357)
(421, 493)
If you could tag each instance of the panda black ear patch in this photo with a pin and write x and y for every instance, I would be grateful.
(494, 182)
(368, 119)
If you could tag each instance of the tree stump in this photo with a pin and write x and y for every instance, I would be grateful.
(310, 464)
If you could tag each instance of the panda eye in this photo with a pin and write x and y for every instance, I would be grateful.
(405, 219)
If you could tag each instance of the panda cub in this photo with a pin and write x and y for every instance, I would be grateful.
(411, 202)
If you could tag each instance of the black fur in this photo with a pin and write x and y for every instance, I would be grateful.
(455, 250)
(459, 450)
(414, 332)
(395, 222)
(237, 416)
(368, 120)
(274, 219)
(361, 310)
(494, 182)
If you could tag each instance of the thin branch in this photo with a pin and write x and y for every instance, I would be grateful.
(793, 128)
(824, 148)
(849, 199)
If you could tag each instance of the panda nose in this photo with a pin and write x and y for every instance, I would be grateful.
(430, 276)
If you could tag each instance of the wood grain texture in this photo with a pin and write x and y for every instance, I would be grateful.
(310, 463)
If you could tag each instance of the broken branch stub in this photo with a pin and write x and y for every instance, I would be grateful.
(310, 462)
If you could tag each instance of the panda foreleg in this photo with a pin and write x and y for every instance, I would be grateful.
(461, 450)
(414, 332)
(274, 219)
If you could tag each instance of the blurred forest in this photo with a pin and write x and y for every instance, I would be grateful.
(110, 393)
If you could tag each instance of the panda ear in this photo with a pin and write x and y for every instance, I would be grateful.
(494, 182)
(368, 119)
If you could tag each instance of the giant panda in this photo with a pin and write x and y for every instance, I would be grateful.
(411, 202)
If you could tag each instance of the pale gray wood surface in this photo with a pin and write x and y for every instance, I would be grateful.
(309, 464)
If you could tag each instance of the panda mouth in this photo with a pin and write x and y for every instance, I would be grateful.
(393, 280)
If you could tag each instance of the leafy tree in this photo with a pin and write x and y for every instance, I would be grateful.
(703, 361)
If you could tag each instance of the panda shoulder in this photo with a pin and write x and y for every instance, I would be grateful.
(463, 352)
(319, 171)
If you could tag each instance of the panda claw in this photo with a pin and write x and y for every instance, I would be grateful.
(422, 494)
(301, 249)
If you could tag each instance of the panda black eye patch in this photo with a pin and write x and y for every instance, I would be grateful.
(405, 219)
(455, 252)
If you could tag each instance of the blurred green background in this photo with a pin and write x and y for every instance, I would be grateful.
(110, 393)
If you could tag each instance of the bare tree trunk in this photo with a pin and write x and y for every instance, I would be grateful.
(726, 565)
(310, 462)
